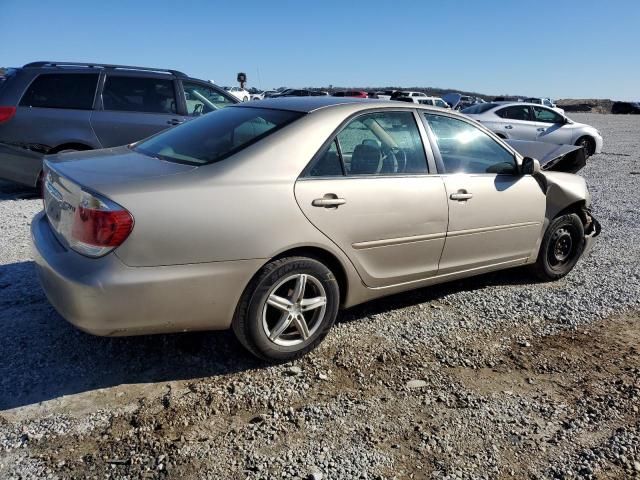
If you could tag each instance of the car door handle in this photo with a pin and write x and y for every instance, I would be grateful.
(542, 129)
(461, 196)
(175, 121)
(508, 127)
(330, 200)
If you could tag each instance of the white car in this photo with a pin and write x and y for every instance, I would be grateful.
(530, 121)
(433, 101)
(240, 93)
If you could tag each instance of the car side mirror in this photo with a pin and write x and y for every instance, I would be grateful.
(530, 166)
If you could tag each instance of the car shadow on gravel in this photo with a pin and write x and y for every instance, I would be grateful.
(513, 276)
(15, 191)
(44, 357)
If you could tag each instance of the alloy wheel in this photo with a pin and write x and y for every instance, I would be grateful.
(294, 310)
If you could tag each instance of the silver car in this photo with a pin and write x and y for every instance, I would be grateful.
(532, 122)
(269, 217)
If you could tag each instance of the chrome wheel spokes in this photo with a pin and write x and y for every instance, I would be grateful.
(294, 309)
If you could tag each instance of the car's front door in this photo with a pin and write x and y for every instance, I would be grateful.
(551, 126)
(369, 191)
(135, 107)
(517, 122)
(495, 213)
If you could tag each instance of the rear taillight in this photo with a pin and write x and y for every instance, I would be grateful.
(99, 226)
(7, 113)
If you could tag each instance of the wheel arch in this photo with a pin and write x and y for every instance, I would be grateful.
(327, 258)
(70, 146)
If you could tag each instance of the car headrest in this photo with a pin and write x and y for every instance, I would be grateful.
(366, 160)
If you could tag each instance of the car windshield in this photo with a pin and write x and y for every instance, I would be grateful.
(215, 136)
(479, 108)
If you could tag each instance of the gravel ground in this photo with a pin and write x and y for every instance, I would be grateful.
(492, 377)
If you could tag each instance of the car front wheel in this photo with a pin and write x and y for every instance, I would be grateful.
(588, 144)
(287, 309)
(561, 248)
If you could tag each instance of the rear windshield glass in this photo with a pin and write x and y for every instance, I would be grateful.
(479, 108)
(215, 136)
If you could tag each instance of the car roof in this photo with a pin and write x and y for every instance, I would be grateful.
(311, 104)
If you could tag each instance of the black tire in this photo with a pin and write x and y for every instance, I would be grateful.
(255, 321)
(588, 144)
(561, 247)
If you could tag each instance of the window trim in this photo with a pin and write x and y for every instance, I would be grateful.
(36, 77)
(426, 147)
(436, 151)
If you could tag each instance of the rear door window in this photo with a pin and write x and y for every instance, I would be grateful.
(385, 143)
(139, 94)
(62, 90)
(515, 112)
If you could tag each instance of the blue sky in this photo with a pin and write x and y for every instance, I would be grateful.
(560, 48)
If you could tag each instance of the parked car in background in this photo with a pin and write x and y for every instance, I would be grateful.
(240, 93)
(53, 107)
(270, 93)
(529, 121)
(547, 102)
(259, 218)
(433, 101)
(385, 95)
(624, 108)
(372, 95)
(458, 101)
(351, 93)
(300, 92)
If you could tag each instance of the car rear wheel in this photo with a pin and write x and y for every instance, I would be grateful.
(588, 144)
(287, 309)
(561, 248)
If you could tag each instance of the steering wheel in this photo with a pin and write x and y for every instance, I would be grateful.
(397, 157)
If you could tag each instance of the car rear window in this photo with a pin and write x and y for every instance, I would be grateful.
(62, 90)
(216, 136)
(479, 108)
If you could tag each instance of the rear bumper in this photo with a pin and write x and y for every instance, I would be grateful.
(105, 297)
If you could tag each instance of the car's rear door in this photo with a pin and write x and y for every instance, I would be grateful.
(495, 213)
(517, 122)
(135, 106)
(370, 191)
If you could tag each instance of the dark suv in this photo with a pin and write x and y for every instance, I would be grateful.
(53, 107)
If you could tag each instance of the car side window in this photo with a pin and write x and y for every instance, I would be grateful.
(547, 116)
(385, 143)
(515, 112)
(328, 164)
(62, 90)
(464, 148)
(201, 100)
(139, 94)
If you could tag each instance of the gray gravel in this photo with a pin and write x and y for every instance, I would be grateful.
(490, 377)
